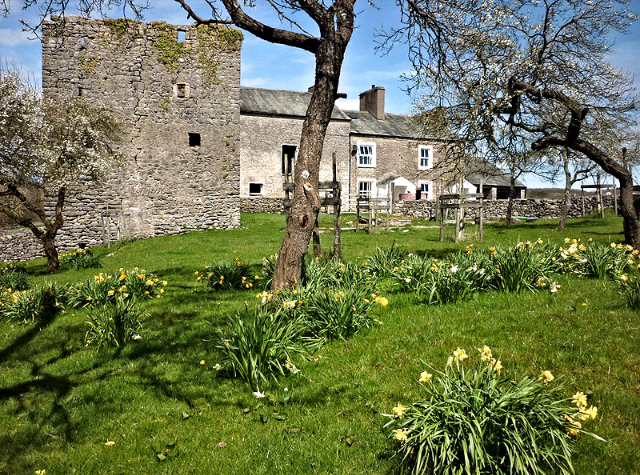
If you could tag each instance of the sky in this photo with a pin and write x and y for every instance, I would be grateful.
(270, 66)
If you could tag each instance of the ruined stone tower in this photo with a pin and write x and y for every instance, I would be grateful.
(176, 90)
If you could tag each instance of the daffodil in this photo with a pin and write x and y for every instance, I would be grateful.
(399, 410)
(579, 399)
(109, 443)
(546, 376)
(460, 354)
(485, 353)
(425, 377)
(400, 434)
(258, 394)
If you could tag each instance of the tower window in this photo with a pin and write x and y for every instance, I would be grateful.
(194, 140)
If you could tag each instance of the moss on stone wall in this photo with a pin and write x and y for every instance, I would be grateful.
(166, 43)
(88, 64)
(212, 39)
(119, 27)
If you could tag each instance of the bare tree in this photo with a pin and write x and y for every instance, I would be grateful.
(575, 169)
(536, 67)
(335, 22)
(59, 145)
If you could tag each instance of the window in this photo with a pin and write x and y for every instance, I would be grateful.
(367, 155)
(181, 90)
(255, 189)
(288, 159)
(182, 36)
(194, 140)
(424, 187)
(365, 188)
(425, 155)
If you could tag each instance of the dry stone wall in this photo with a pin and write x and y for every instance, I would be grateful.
(497, 209)
(176, 90)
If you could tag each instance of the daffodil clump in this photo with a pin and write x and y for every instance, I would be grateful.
(629, 282)
(14, 277)
(32, 305)
(595, 260)
(81, 259)
(115, 324)
(476, 419)
(106, 288)
(228, 275)
(289, 323)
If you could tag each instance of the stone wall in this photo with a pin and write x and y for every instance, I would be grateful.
(260, 204)
(496, 210)
(179, 103)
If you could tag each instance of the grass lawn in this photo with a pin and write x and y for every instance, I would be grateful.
(166, 413)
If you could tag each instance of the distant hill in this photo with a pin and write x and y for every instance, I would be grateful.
(553, 193)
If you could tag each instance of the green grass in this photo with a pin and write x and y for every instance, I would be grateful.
(61, 402)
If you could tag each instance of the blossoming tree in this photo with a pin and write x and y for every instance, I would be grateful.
(59, 145)
(506, 72)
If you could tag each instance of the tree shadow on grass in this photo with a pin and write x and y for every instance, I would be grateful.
(58, 368)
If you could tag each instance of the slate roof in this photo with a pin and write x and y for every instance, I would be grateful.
(491, 175)
(393, 125)
(254, 101)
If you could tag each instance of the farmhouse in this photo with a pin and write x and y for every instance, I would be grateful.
(374, 150)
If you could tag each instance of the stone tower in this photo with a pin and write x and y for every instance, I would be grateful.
(176, 90)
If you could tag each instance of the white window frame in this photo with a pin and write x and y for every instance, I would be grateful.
(371, 182)
(429, 164)
(372, 155)
(255, 183)
(429, 185)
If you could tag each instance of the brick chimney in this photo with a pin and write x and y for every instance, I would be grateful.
(372, 101)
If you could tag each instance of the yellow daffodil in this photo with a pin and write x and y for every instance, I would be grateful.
(485, 353)
(425, 377)
(399, 410)
(496, 365)
(400, 434)
(460, 354)
(579, 399)
(546, 376)
(109, 443)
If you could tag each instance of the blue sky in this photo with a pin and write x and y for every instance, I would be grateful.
(272, 66)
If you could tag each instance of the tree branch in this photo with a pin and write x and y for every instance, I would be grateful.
(259, 29)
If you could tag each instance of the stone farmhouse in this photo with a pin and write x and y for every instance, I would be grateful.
(374, 149)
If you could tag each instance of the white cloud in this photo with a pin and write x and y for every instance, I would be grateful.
(348, 104)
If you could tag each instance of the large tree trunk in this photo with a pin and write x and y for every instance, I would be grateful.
(53, 263)
(566, 198)
(306, 202)
(628, 212)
